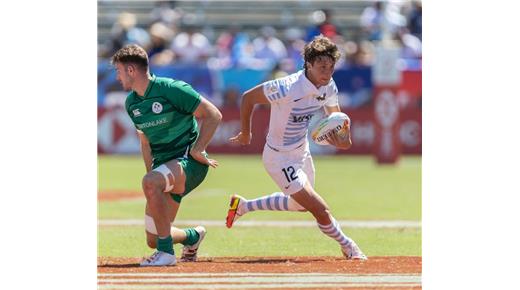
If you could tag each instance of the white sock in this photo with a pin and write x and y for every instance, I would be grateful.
(275, 202)
(334, 231)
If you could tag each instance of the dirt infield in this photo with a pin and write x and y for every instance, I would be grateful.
(393, 265)
(264, 273)
(401, 272)
(113, 195)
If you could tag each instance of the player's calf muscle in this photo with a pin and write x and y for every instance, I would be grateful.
(322, 216)
(151, 241)
(314, 204)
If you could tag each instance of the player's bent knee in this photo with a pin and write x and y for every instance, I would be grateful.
(295, 206)
(167, 174)
(150, 184)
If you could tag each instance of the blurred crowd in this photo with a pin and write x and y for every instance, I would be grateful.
(172, 38)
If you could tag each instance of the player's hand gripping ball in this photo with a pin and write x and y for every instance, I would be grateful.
(335, 123)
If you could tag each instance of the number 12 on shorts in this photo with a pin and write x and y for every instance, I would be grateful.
(290, 173)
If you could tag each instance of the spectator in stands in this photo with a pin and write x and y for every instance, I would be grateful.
(411, 46)
(358, 61)
(159, 52)
(226, 40)
(359, 54)
(394, 17)
(371, 21)
(294, 45)
(165, 12)
(241, 54)
(268, 47)
(235, 50)
(322, 25)
(125, 31)
(415, 19)
(191, 46)
(277, 72)
(231, 46)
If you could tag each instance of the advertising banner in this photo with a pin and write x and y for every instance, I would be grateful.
(387, 147)
(117, 135)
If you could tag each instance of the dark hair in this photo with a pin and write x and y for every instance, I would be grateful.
(131, 54)
(319, 47)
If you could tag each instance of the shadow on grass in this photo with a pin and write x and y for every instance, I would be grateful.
(132, 265)
(275, 261)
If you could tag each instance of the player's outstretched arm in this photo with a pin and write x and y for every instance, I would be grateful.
(249, 100)
(209, 117)
(342, 138)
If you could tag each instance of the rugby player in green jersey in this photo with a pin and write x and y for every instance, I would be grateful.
(173, 147)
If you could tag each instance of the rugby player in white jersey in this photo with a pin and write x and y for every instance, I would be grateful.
(294, 100)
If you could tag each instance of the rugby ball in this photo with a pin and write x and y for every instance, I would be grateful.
(327, 126)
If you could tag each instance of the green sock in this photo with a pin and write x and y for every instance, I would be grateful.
(165, 245)
(191, 237)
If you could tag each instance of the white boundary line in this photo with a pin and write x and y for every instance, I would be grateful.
(253, 280)
(244, 274)
(262, 286)
(276, 223)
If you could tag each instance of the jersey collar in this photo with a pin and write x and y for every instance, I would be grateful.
(149, 87)
(308, 85)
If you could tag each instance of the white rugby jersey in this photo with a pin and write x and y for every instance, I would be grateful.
(294, 101)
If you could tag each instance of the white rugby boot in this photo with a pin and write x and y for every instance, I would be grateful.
(159, 259)
(353, 252)
(189, 253)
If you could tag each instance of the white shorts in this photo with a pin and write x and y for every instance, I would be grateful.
(290, 170)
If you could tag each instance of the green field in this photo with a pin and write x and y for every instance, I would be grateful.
(355, 188)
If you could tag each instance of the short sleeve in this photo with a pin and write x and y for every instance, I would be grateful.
(276, 91)
(182, 96)
(332, 100)
(128, 101)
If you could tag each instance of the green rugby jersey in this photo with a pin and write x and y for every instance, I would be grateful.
(165, 115)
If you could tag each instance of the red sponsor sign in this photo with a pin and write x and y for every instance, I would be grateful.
(230, 126)
(409, 93)
(117, 135)
(363, 128)
(387, 147)
(116, 132)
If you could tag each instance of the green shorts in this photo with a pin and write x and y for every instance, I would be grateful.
(195, 174)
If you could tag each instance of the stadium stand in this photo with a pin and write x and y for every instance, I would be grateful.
(218, 14)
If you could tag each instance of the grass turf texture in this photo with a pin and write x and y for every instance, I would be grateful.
(240, 242)
(355, 188)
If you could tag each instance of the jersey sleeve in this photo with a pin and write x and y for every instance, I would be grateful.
(183, 97)
(127, 108)
(276, 91)
(332, 100)
(127, 105)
